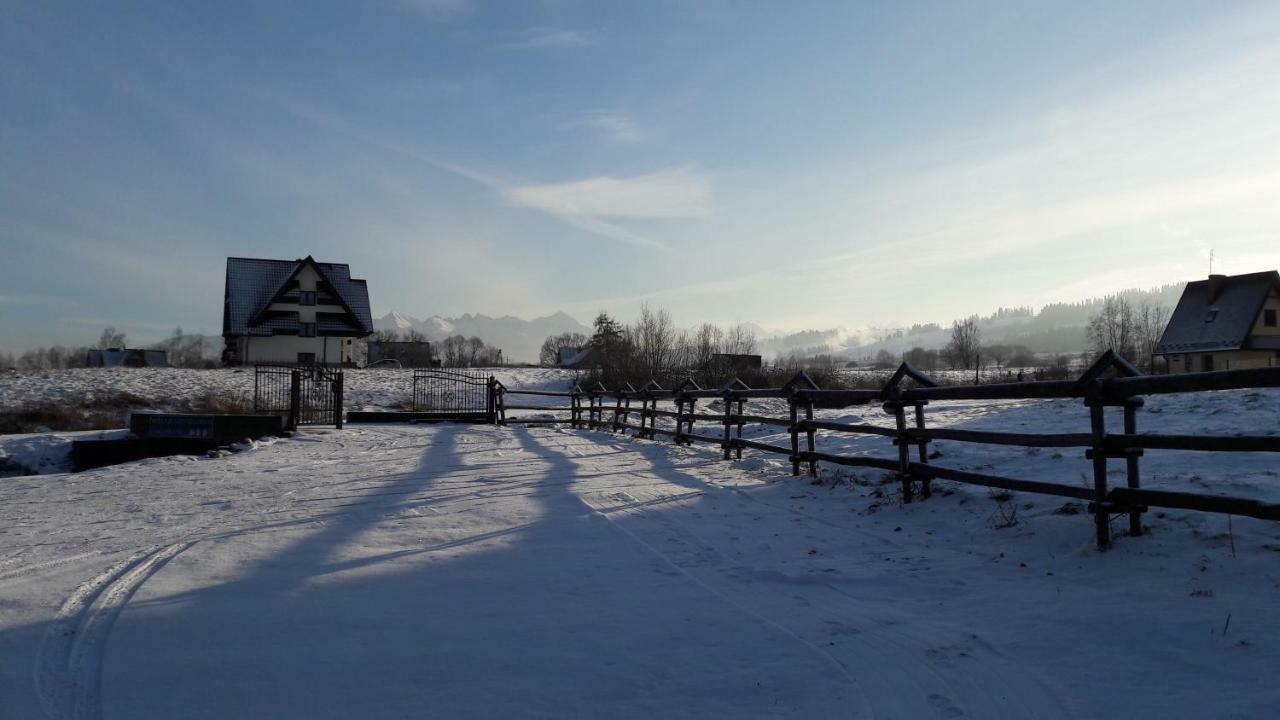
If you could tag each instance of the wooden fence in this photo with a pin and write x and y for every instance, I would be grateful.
(1110, 383)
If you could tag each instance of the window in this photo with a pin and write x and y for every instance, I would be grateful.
(1213, 315)
(1269, 318)
(308, 297)
(308, 330)
(1206, 363)
(306, 358)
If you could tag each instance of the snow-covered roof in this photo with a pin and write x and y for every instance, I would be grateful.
(252, 284)
(1217, 313)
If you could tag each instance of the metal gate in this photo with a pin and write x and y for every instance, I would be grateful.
(453, 394)
(305, 394)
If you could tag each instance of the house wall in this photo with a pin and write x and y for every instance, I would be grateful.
(307, 279)
(1224, 360)
(1272, 303)
(285, 349)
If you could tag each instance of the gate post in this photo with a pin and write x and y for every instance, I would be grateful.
(337, 400)
(295, 398)
(491, 407)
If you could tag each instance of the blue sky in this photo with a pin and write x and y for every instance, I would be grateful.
(791, 164)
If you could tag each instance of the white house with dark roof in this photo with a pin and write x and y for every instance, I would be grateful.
(1228, 322)
(292, 311)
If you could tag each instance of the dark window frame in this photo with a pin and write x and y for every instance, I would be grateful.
(306, 358)
(307, 297)
(308, 330)
(1269, 317)
(1206, 362)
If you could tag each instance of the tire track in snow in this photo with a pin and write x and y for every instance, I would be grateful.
(68, 671)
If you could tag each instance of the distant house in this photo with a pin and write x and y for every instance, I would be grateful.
(126, 357)
(407, 353)
(573, 357)
(1224, 323)
(734, 362)
(292, 311)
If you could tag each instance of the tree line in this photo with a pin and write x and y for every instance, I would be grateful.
(652, 348)
(183, 350)
(453, 351)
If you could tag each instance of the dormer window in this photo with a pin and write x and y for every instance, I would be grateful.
(308, 297)
(1213, 315)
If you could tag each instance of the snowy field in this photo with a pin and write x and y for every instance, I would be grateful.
(453, 571)
(165, 387)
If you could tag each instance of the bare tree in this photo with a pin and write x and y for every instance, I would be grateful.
(654, 339)
(1149, 323)
(111, 339)
(706, 343)
(1114, 327)
(549, 355)
(740, 340)
(966, 342)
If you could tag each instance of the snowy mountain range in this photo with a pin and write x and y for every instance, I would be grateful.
(519, 339)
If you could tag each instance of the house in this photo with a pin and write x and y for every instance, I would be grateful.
(730, 363)
(574, 357)
(1224, 323)
(408, 353)
(126, 357)
(292, 311)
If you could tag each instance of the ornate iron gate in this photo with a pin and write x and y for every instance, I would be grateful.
(453, 394)
(306, 394)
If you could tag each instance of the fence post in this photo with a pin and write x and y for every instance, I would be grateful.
(575, 409)
(295, 398)
(1098, 453)
(899, 410)
(693, 409)
(626, 412)
(926, 485)
(337, 400)
(1131, 406)
(617, 412)
(795, 433)
(679, 419)
(727, 445)
(810, 437)
(737, 451)
(491, 400)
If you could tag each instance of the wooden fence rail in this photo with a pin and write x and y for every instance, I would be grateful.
(1110, 382)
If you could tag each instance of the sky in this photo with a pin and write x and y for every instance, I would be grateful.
(795, 165)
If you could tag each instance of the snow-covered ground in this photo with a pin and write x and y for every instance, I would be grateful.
(390, 571)
(166, 387)
(175, 389)
(453, 571)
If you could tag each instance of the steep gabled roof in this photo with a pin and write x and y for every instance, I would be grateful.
(253, 283)
(1218, 313)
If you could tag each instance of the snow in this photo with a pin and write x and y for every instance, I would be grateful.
(385, 571)
(44, 453)
(370, 389)
(478, 571)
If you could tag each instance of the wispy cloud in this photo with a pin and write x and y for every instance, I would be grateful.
(549, 38)
(667, 194)
(615, 126)
(671, 193)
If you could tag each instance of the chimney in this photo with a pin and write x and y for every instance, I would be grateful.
(1216, 284)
